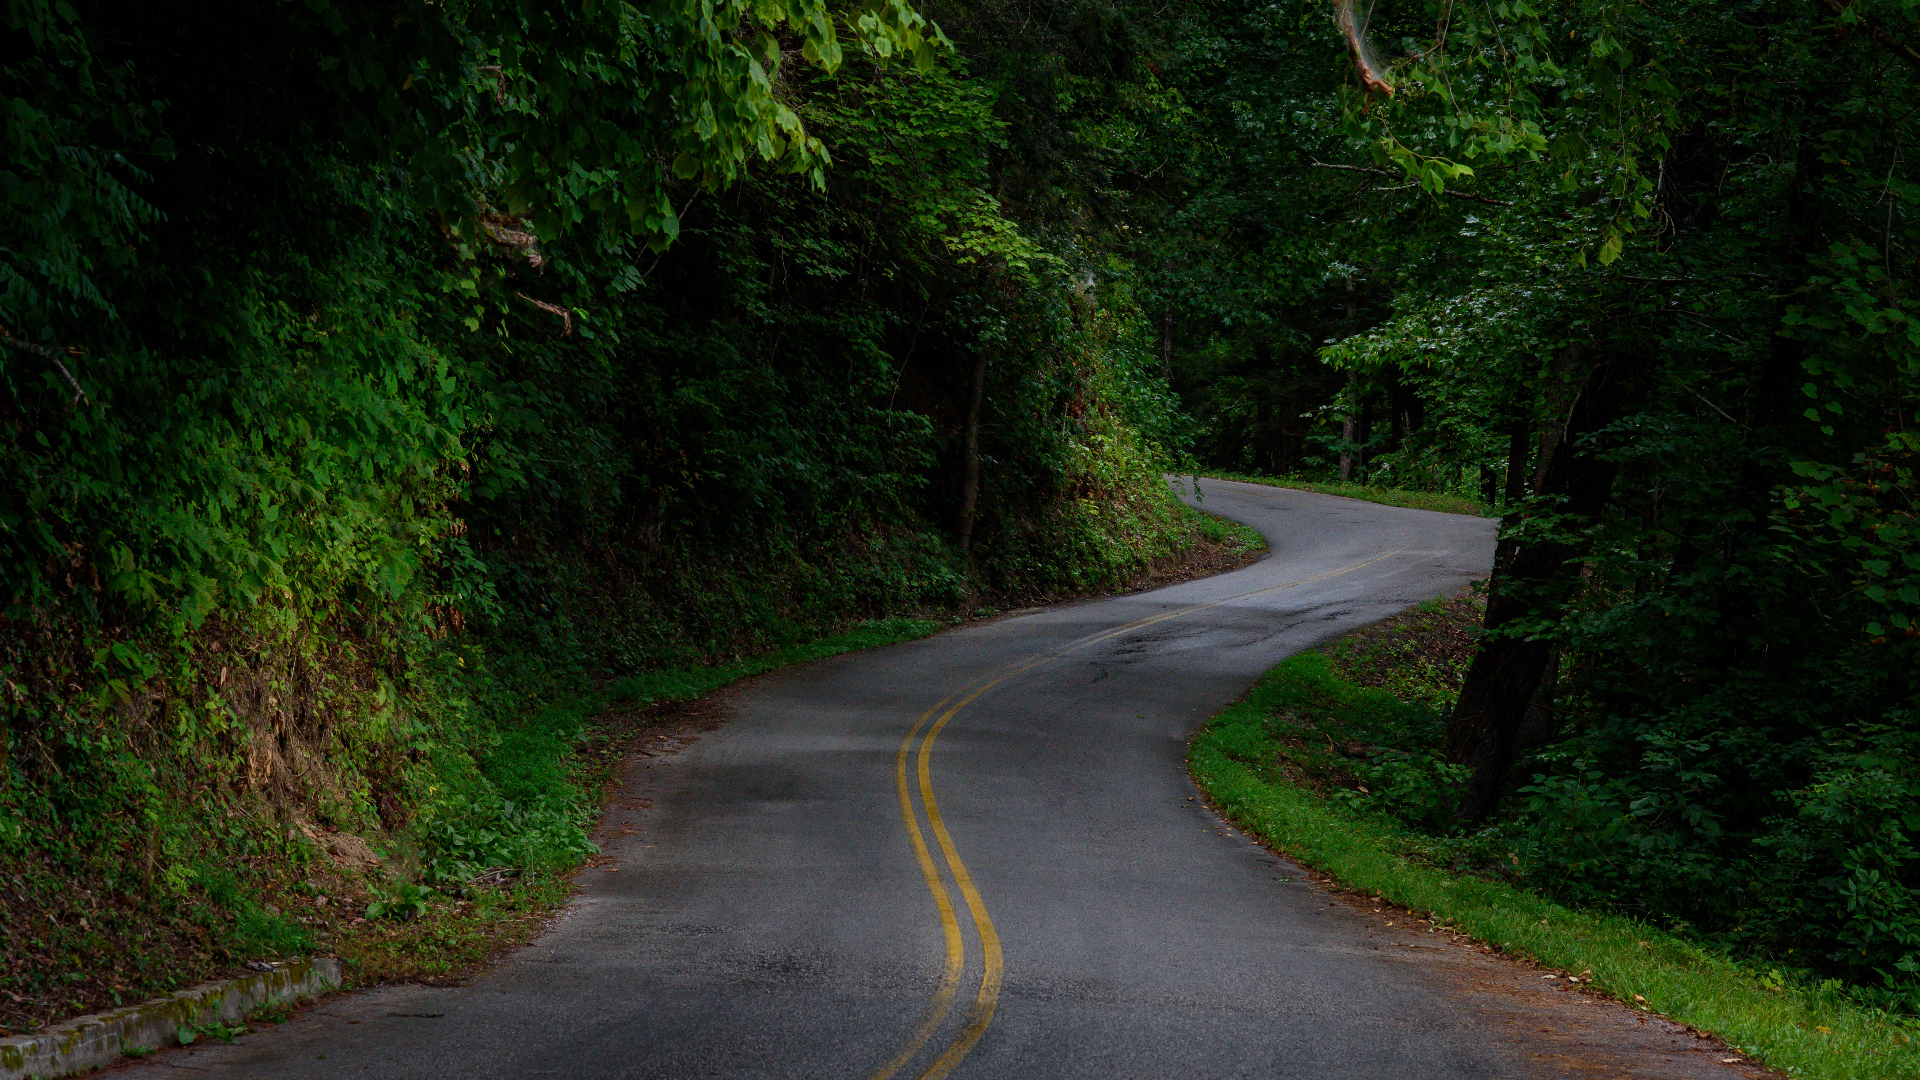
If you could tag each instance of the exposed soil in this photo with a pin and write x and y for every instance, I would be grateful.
(1205, 559)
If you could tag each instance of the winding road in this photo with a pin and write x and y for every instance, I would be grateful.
(980, 855)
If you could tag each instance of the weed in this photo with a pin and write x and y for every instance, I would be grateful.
(188, 1033)
(404, 902)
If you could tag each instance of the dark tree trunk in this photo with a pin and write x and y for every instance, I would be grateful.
(1517, 440)
(1349, 426)
(1541, 725)
(1533, 580)
(1365, 433)
(970, 476)
(1349, 420)
(1559, 395)
(1166, 345)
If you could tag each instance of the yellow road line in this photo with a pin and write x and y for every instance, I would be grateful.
(981, 1015)
(949, 923)
(983, 1004)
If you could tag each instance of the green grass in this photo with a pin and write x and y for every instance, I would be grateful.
(1413, 500)
(688, 683)
(1219, 530)
(534, 765)
(1809, 1032)
(551, 768)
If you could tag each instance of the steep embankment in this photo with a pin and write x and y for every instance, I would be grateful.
(350, 451)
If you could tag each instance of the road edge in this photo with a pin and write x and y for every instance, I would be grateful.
(1780, 1030)
(98, 1040)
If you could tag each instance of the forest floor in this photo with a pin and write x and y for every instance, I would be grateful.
(427, 935)
(1329, 761)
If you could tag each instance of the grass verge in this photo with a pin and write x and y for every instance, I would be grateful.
(1255, 763)
(673, 686)
(1413, 500)
(429, 935)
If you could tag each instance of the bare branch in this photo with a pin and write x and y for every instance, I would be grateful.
(1467, 195)
(1364, 61)
(50, 354)
(1709, 403)
(555, 309)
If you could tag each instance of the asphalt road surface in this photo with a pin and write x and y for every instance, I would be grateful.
(980, 855)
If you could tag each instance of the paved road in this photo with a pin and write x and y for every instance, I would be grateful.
(980, 854)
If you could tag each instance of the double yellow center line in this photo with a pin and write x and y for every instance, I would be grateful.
(984, 1002)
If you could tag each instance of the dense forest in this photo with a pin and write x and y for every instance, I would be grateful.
(377, 372)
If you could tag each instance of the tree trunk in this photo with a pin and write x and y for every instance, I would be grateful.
(970, 477)
(1516, 465)
(1349, 426)
(1533, 581)
(1166, 346)
(1559, 395)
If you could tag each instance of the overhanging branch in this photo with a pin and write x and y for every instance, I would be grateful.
(1877, 32)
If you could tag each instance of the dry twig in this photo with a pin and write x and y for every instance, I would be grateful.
(565, 315)
(50, 354)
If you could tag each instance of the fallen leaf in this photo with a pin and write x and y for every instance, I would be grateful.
(1822, 1030)
(1639, 999)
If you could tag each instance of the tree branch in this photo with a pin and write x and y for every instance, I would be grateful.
(1876, 32)
(554, 309)
(50, 354)
(1468, 196)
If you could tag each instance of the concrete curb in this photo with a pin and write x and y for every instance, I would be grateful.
(94, 1042)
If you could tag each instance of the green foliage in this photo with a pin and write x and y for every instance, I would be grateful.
(405, 901)
(1711, 197)
(1805, 1026)
(382, 384)
(188, 1034)
(1377, 749)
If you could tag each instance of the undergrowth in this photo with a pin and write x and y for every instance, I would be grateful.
(1334, 760)
(271, 787)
